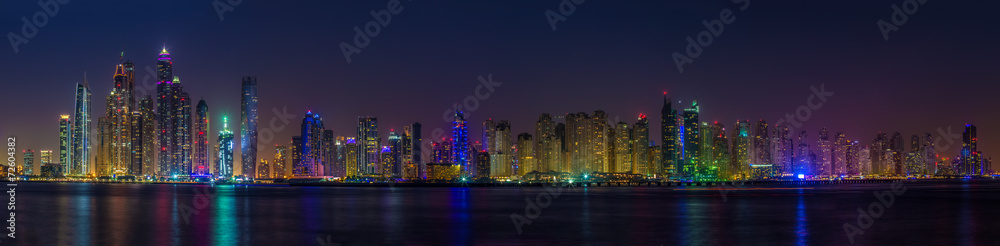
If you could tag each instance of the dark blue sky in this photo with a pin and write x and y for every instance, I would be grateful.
(937, 70)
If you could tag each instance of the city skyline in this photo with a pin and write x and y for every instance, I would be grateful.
(544, 88)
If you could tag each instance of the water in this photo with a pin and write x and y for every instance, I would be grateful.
(135, 214)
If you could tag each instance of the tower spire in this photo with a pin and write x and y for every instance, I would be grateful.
(85, 84)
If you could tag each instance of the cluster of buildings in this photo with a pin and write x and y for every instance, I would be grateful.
(162, 136)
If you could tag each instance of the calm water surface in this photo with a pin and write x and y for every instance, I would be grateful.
(135, 214)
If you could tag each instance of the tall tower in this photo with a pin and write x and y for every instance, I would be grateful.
(740, 153)
(120, 118)
(839, 154)
(312, 146)
(970, 164)
(225, 151)
(623, 149)
(640, 147)
(668, 137)
(148, 129)
(185, 151)
(80, 164)
(502, 160)
(525, 154)
(368, 145)
(64, 144)
(545, 143)
(825, 153)
(692, 139)
(248, 131)
(29, 162)
(201, 146)
(417, 151)
(395, 154)
(460, 143)
(166, 123)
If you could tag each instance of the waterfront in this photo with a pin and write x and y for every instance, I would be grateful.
(956, 213)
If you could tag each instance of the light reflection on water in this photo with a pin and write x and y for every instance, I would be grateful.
(125, 214)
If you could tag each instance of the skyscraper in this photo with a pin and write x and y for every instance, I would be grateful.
(368, 145)
(668, 137)
(64, 144)
(762, 144)
(329, 153)
(720, 153)
(136, 166)
(417, 152)
(121, 103)
(501, 157)
(623, 149)
(546, 149)
(148, 133)
(460, 143)
(280, 162)
(248, 131)
(825, 153)
(897, 154)
(311, 152)
(263, 170)
(351, 158)
(185, 151)
(201, 146)
(28, 166)
(225, 151)
(839, 154)
(692, 140)
(970, 165)
(525, 154)
(80, 163)
(740, 153)
(640, 147)
(395, 163)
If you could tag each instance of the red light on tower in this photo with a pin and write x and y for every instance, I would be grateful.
(664, 93)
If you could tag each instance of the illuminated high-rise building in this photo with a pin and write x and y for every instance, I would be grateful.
(135, 168)
(740, 154)
(329, 153)
(460, 142)
(311, 152)
(929, 154)
(546, 144)
(280, 162)
(263, 169)
(410, 169)
(225, 151)
(640, 147)
(721, 159)
(80, 163)
(525, 154)
(802, 155)
(248, 129)
(351, 158)
(839, 154)
(173, 121)
(417, 150)
(668, 137)
(489, 136)
(201, 147)
(395, 163)
(897, 147)
(64, 142)
(970, 160)
(501, 157)
(147, 140)
(102, 162)
(483, 165)
(120, 108)
(762, 144)
(597, 135)
(879, 150)
(781, 148)
(623, 149)
(864, 161)
(692, 140)
(28, 166)
(185, 149)
(368, 145)
(825, 151)
(852, 165)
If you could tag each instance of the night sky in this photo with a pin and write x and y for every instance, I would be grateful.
(937, 71)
